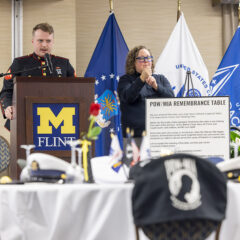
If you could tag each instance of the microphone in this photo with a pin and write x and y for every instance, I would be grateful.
(49, 62)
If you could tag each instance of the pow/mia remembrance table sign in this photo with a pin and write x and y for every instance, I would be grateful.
(193, 125)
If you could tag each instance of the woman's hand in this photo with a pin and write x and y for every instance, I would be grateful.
(151, 81)
(146, 73)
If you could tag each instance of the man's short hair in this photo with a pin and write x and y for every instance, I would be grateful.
(45, 27)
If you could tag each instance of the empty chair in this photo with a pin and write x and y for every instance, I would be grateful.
(4, 154)
(178, 197)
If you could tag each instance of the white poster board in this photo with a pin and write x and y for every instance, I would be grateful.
(193, 125)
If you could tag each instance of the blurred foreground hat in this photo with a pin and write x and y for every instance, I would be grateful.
(231, 168)
(44, 167)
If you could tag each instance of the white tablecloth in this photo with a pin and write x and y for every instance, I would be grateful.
(83, 212)
(66, 212)
(230, 229)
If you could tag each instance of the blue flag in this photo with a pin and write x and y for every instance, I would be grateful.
(107, 65)
(226, 79)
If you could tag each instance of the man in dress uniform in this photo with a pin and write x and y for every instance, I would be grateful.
(34, 65)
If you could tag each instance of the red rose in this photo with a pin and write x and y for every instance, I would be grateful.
(94, 109)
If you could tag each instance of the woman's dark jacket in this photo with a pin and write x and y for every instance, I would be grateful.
(132, 93)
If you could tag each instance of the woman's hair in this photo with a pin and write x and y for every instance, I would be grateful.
(131, 58)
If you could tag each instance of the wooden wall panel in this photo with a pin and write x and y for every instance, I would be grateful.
(150, 23)
(5, 49)
(61, 15)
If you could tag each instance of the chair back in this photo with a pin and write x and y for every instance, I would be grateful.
(179, 196)
(4, 154)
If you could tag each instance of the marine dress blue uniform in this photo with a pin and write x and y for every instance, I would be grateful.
(61, 68)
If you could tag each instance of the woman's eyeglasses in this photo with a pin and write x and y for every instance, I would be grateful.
(145, 59)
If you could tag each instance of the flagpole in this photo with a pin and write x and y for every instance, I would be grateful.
(111, 5)
(179, 9)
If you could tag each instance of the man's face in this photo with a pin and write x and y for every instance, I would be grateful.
(42, 42)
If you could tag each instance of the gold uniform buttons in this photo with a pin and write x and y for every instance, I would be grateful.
(44, 69)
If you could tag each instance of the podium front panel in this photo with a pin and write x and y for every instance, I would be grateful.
(35, 97)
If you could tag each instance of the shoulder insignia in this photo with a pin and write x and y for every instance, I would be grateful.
(60, 57)
(26, 56)
(8, 77)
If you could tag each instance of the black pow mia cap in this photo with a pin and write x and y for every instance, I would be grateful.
(177, 187)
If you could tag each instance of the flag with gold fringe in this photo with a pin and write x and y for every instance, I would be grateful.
(179, 56)
(225, 81)
(107, 65)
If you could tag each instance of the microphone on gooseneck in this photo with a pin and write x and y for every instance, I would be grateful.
(48, 62)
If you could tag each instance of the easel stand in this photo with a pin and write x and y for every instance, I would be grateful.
(188, 79)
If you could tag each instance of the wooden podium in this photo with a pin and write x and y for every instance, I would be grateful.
(28, 90)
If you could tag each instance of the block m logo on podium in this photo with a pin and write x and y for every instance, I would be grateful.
(54, 124)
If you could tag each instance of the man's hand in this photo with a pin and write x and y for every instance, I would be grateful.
(9, 112)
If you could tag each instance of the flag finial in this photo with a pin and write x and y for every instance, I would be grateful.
(111, 5)
(179, 9)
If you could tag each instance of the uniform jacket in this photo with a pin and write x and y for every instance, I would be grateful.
(132, 93)
(27, 66)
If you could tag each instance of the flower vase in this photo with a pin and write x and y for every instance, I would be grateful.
(86, 161)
